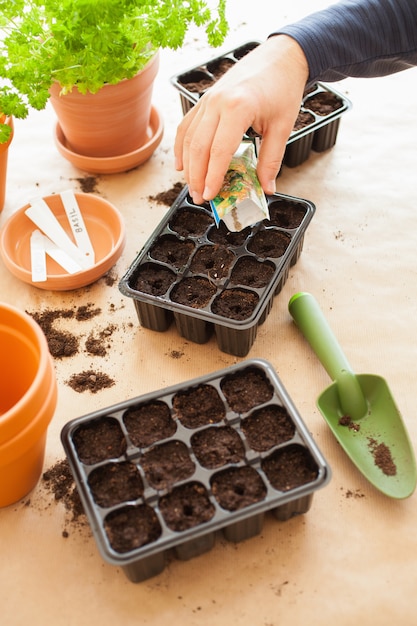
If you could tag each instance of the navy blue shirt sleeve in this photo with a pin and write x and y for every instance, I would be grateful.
(360, 38)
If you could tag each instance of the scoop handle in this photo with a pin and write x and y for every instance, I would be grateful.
(310, 319)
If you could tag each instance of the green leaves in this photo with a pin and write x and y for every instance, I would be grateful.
(88, 43)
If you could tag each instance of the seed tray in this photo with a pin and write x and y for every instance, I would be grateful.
(238, 273)
(182, 483)
(312, 131)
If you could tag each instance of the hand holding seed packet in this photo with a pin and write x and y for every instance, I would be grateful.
(241, 201)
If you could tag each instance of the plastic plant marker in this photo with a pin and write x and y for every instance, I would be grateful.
(375, 439)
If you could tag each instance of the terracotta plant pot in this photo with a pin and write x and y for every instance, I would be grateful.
(111, 122)
(28, 396)
(4, 152)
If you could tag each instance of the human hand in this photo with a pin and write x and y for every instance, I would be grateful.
(263, 91)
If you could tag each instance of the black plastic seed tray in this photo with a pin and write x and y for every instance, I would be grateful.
(317, 124)
(212, 280)
(164, 473)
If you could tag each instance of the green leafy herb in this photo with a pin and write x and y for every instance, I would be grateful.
(89, 43)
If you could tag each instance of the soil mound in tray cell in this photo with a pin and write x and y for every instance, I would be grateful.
(269, 243)
(190, 222)
(289, 468)
(220, 67)
(186, 506)
(114, 483)
(197, 81)
(248, 271)
(148, 423)
(166, 464)
(171, 250)
(324, 103)
(194, 291)
(217, 446)
(153, 279)
(236, 304)
(131, 527)
(246, 389)
(268, 427)
(304, 118)
(285, 214)
(238, 487)
(99, 441)
(199, 406)
(225, 237)
(214, 261)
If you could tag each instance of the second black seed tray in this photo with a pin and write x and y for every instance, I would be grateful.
(164, 472)
(211, 280)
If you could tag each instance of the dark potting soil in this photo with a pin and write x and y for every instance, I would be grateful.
(304, 119)
(194, 291)
(217, 446)
(114, 483)
(190, 222)
(382, 457)
(236, 304)
(153, 280)
(268, 427)
(199, 406)
(131, 527)
(285, 214)
(171, 250)
(166, 464)
(220, 67)
(149, 423)
(89, 380)
(238, 487)
(248, 271)
(247, 389)
(214, 261)
(186, 506)
(289, 468)
(99, 440)
(225, 237)
(269, 243)
(59, 480)
(169, 196)
(198, 86)
(324, 103)
(97, 344)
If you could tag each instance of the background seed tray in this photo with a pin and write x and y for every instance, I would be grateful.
(319, 134)
(219, 399)
(281, 239)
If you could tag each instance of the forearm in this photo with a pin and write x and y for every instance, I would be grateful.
(361, 38)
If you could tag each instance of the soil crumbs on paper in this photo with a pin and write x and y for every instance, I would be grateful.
(168, 197)
(59, 481)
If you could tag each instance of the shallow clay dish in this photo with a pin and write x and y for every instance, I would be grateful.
(105, 228)
(115, 164)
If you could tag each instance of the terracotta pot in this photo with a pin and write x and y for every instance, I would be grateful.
(111, 122)
(28, 396)
(4, 151)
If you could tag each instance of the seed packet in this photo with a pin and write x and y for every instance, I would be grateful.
(241, 201)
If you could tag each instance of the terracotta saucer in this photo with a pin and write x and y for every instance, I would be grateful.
(105, 228)
(117, 164)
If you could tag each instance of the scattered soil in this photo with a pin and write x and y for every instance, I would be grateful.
(236, 304)
(245, 390)
(99, 440)
(346, 420)
(253, 273)
(285, 214)
(194, 291)
(90, 380)
(289, 467)
(167, 464)
(131, 527)
(323, 103)
(268, 427)
(382, 457)
(186, 506)
(238, 487)
(149, 423)
(59, 480)
(269, 243)
(168, 197)
(114, 483)
(97, 345)
(198, 406)
(217, 446)
(88, 184)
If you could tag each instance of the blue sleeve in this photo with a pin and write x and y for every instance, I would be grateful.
(361, 38)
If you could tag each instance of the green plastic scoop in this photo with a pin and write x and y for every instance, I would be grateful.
(359, 409)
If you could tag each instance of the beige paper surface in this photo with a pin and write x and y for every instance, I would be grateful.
(352, 559)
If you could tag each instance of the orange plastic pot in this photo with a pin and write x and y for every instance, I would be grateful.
(4, 152)
(28, 397)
